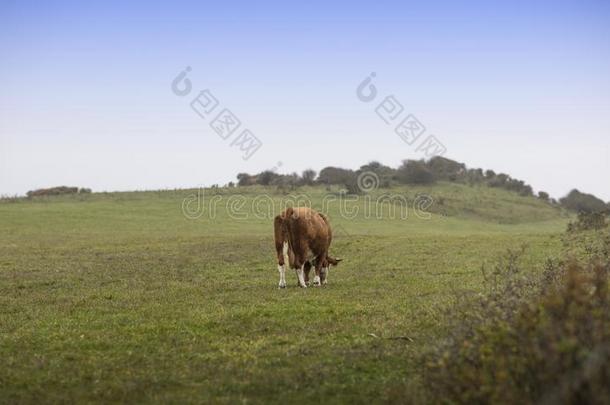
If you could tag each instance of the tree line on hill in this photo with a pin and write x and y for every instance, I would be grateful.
(418, 172)
(410, 172)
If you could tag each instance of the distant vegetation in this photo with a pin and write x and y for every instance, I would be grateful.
(419, 172)
(535, 337)
(588, 220)
(61, 190)
(581, 202)
(409, 172)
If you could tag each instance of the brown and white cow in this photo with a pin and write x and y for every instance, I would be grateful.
(303, 236)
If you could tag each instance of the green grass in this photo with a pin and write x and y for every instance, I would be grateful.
(119, 297)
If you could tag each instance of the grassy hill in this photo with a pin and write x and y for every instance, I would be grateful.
(121, 297)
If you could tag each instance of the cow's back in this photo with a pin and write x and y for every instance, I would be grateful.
(308, 231)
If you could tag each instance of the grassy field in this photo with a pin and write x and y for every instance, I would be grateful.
(120, 297)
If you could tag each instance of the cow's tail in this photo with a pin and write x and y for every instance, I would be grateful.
(288, 252)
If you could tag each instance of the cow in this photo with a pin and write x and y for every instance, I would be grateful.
(302, 237)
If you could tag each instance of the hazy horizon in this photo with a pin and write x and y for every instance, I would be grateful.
(87, 94)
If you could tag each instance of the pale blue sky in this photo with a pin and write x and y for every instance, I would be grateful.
(520, 87)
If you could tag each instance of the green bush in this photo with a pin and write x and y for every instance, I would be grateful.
(588, 221)
(308, 177)
(52, 191)
(446, 169)
(530, 339)
(245, 179)
(414, 172)
(335, 175)
(582, 202)
(386, 174)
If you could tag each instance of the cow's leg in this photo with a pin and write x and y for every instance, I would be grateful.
(281, 264)
(324, 272)
(324, 275)
(281, 249)
(282, 269)
(306, 270)
(301, 275)
(316, 279)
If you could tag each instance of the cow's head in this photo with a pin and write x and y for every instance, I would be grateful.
(329, 261)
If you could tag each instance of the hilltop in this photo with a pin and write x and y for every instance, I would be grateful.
(438, 169)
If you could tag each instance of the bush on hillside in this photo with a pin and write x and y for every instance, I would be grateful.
(506, 182)
(475, 176)
(588, 221)
(61, 190)
(308, 177)
(335, 175)
(283, 182)
(352, 186)
(529, 339)
(287, 182)
(499, 180)
(245, 179)
(414, 172)
(266, 178)
(386, 174)
(577, 201)
(446, 169)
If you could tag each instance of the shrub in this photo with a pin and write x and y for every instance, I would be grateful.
(588, 221)
(577, 201)
(244, 179)
(286, 182)
(335, 175)
(265, 178)
(529, 339)
(352, 186)
(544, 196)
(308, 177)
(385, 174)
(446, 169)
(506, 182)
(414, 172)
(499, 180)
(475, 176)
(52, 191)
